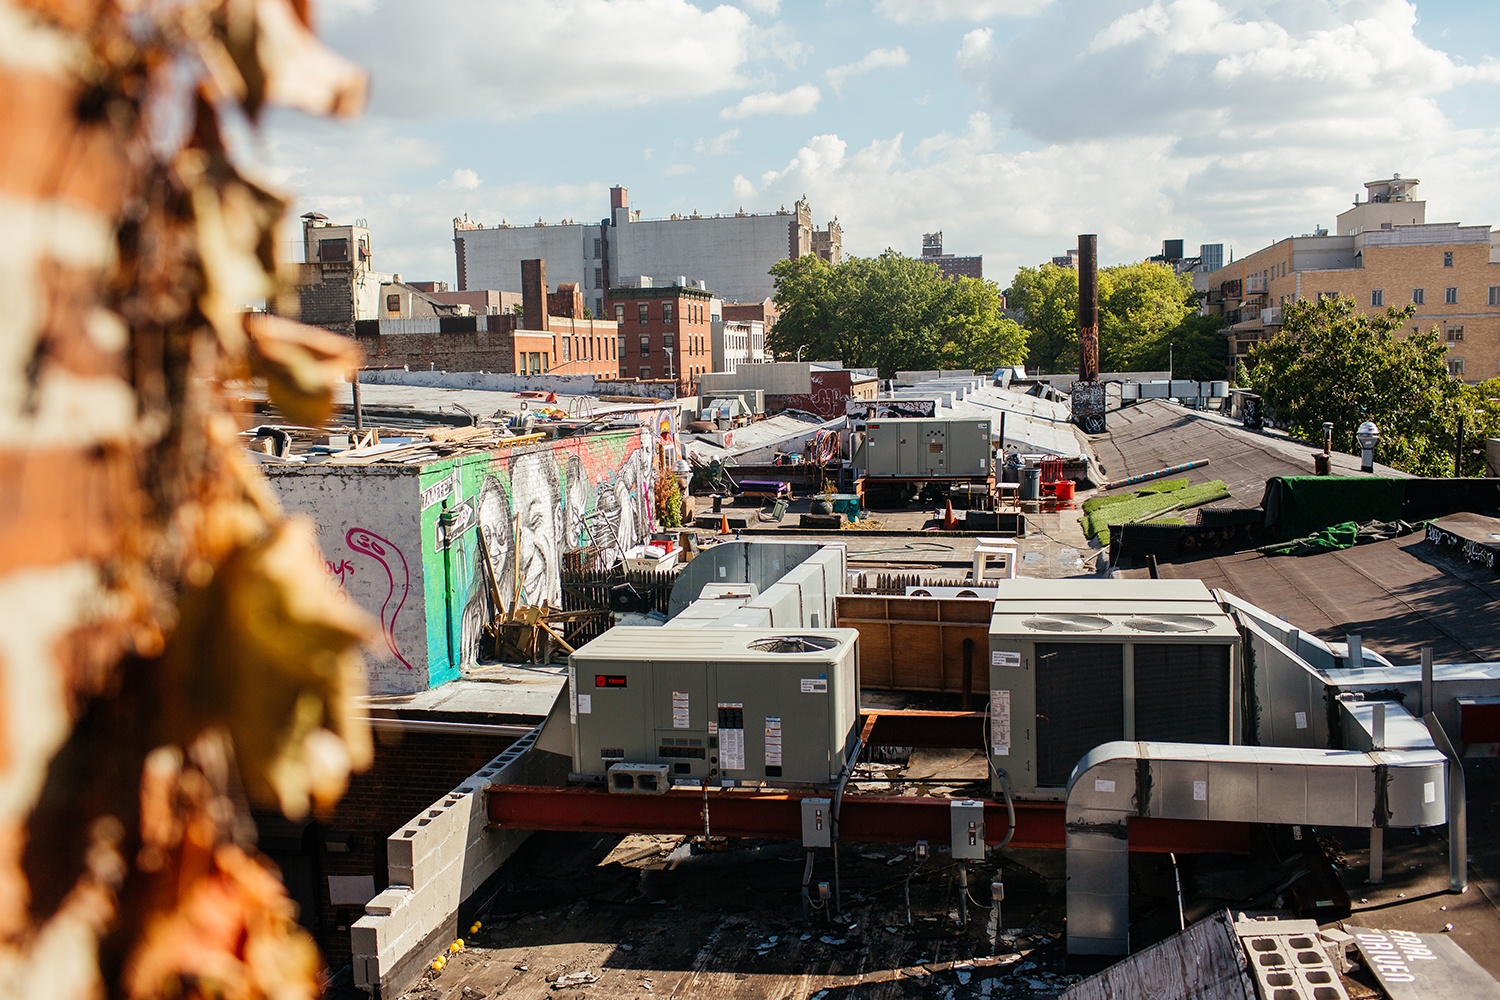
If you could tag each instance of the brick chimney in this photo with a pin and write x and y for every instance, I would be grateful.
(534, 295)
(567, 301)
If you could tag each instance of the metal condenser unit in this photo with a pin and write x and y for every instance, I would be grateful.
(921, 448)
(722, 705)
(1077, 663)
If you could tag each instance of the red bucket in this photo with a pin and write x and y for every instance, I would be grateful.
(1064, 489)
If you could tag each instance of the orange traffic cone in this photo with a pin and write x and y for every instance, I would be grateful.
(723, 524)
(950, 522)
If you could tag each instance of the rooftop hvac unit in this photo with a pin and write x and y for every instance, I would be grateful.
(1077, 663)
(921, 448)
(722, 705)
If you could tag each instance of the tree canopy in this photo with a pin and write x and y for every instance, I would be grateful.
(1330, 362)
(1146, 314)
(891, 313)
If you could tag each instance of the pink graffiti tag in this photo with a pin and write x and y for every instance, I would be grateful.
(343, 569)
(377, 548)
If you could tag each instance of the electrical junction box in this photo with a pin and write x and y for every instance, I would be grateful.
(966, 820)
(717, 704)
(817, 822)
(1077, 663)
(923, 448)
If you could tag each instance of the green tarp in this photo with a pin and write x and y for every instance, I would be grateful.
(1298, 506)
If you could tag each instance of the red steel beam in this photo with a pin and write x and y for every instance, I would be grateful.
(751, 813)
(937, 730)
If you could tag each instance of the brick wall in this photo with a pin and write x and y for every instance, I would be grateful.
(410, 771)
(436, 861)
(328, 304)
(474, 351)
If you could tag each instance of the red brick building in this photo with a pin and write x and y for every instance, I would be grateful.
(664, 332)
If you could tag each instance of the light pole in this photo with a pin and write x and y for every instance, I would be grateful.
(1368, 436)
(800, 350)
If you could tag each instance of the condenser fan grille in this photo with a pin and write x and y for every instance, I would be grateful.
(1169, 623)
(793, 644)
(1066, 623)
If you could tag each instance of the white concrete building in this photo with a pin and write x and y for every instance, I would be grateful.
(731, 254)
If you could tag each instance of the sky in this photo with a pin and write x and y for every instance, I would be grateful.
(1010, 125)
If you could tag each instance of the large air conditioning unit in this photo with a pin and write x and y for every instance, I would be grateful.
(727, 706)
(922, 448)
(1077, 663)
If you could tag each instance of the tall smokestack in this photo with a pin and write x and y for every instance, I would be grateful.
(1088, 307)
(534, 295)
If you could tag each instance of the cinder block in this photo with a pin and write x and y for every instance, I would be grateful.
(364, 937)
(388, 901)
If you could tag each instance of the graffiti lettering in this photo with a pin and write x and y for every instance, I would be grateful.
(382, 551)
(341, 570)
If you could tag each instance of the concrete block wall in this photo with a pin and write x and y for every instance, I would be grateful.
(436, 862)
(575, 385)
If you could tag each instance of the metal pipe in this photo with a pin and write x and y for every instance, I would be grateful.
(359, 412)
(1356, 655)
(1148, 476)
(1377, 855)
(1458, 810)
(1427, 705)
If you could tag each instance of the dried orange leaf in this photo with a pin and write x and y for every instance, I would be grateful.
(299, 71)
(300, 364)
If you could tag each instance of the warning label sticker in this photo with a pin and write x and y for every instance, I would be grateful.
(1000, 723)
(1004, 658)
(731, 728)
(680, 706)
(815, 685)
(773, 741)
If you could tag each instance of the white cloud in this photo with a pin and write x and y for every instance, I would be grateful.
(919, 11)
(742, 187)
(718, 145)
(463, 179)
(678, 169)
(504, 61)
(797, 101)
(770, 8)
(872, 60)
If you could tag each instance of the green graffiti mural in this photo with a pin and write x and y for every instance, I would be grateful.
(533, 504)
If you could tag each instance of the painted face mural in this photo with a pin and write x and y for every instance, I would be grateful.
(537, 504)
(575, 513)
(492, 510)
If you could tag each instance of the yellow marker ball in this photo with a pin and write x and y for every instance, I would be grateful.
(457, 945)
(475, 928)
(437, 965)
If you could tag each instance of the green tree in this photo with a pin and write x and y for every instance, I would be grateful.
(1195, 348)
(1048, 296)
(1329, 362)
(1140, 307)
(889, 312)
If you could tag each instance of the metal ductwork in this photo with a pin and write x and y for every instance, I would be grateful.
(1117, 781)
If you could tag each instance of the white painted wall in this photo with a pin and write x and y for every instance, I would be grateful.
(492, 257)
(369, 522)
(733, 255)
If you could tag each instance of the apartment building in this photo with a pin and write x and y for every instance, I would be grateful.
(666, 332)
(1384, 253)
(949, 265)
(731, 254)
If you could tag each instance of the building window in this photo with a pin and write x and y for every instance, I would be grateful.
(597, 248)
(567, 344)
(392, 303)
(668, 341)
(619, 313)
(645, 371)
(1495, 295)
(1377, 297)
(1326, 296)
(643, 310)
(1447, 258)
(1455, 367)
(1418, 296)
(623, 347)
(598, 276)
(1450, 296)
(1454, 334)
(666, 312)
(645, 346)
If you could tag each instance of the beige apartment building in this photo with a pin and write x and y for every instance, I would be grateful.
(1384, 253)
